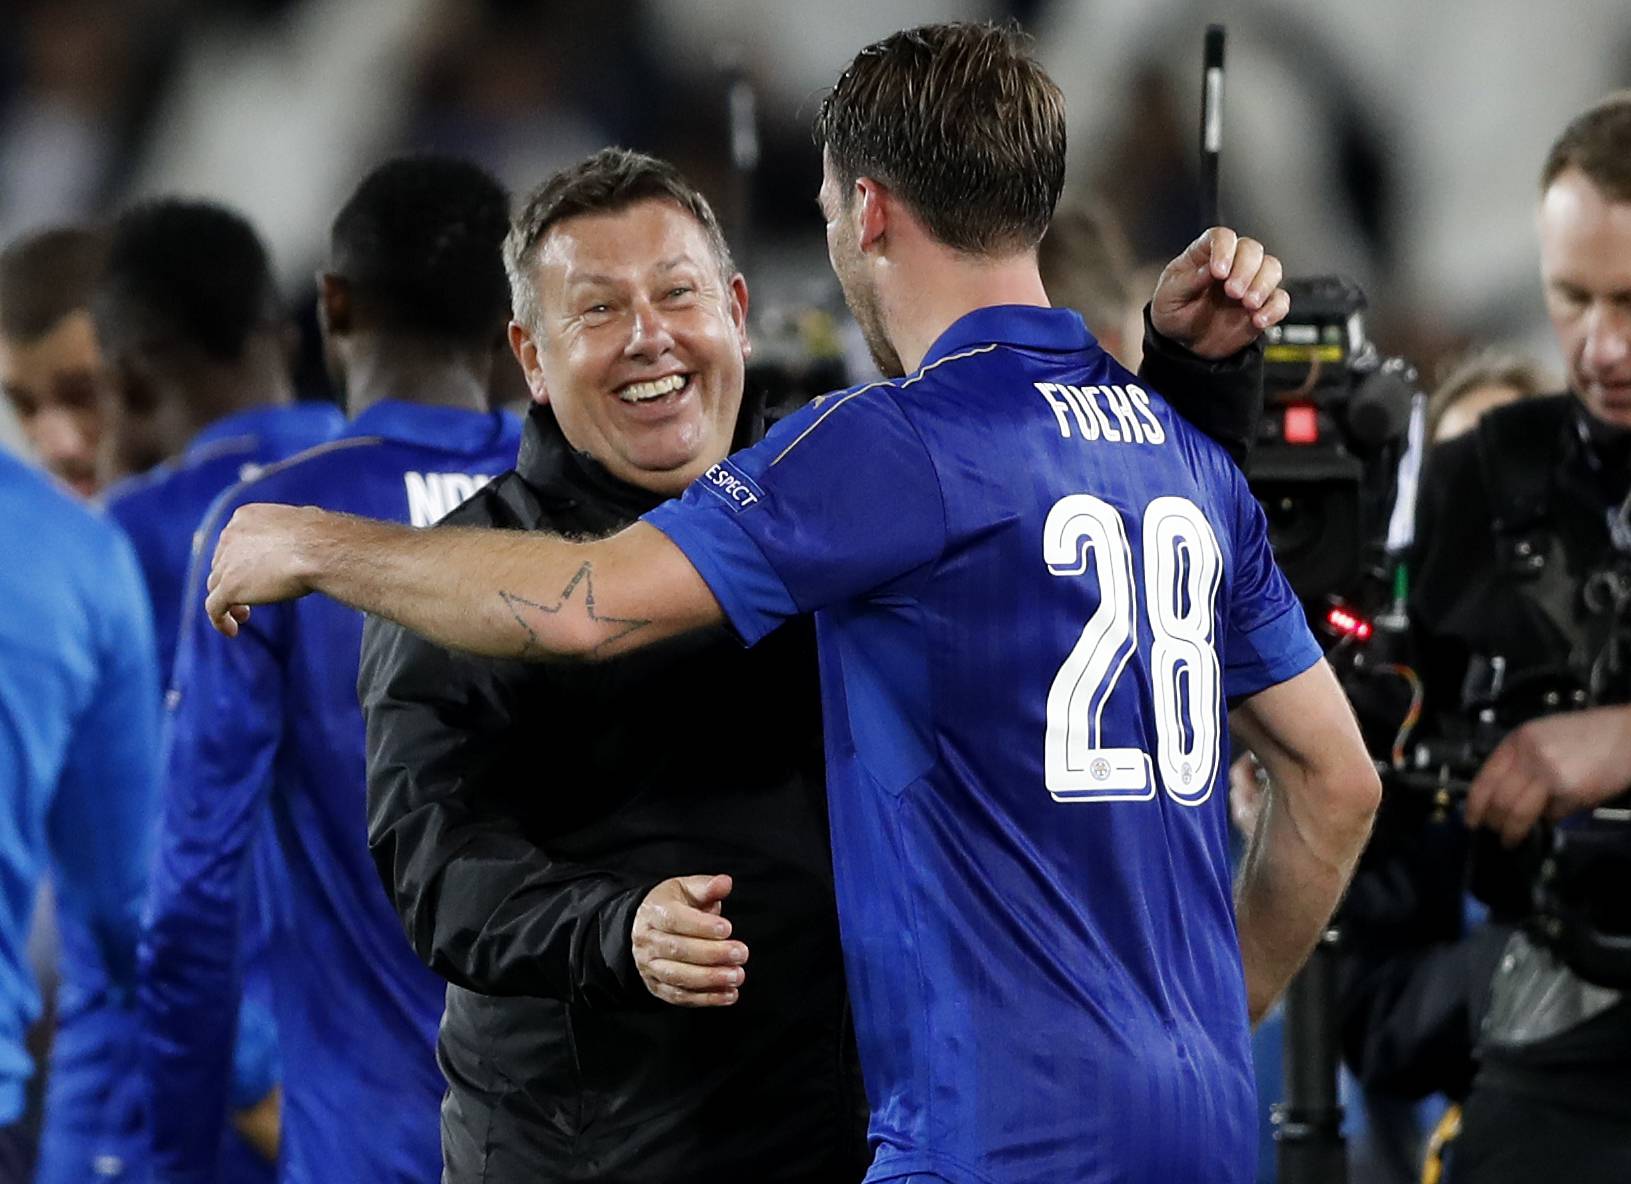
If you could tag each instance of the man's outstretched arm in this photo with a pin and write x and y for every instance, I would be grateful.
(497, 593)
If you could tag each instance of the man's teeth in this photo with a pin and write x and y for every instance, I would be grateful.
(641, 392)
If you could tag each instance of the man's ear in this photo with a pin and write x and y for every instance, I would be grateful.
(871, 207)
(525, 349)
(737, 293)
(334, 304)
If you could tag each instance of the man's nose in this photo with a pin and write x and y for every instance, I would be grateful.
(1608, 338)
(60, 436)
(649, 336)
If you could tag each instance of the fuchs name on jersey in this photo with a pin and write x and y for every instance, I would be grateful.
(1114, 414)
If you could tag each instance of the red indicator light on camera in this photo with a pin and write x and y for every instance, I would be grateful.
(1301, 424)
(1348, 624)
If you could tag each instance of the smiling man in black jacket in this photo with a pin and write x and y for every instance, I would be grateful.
(533, 822)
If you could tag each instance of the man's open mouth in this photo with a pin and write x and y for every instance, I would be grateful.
(670, 386)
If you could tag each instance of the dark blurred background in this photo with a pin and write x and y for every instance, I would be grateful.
(1393, 141)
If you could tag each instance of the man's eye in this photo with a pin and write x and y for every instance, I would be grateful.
(81, 396)
(679, 292)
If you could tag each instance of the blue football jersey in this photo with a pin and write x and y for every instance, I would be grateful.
(267, 725)
(1036, 591)
(79, 755)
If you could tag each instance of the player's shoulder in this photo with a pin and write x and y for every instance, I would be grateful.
(294, 475)
(1204, 454)
(948, 372)
(883, 398)
(137, 490)
(82, 545)
(819, 412)
(310, 420)
(300, 479)
(185, 486)
(29, 491)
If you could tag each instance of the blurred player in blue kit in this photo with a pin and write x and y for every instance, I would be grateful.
(116, 360)
(412, 302)
(192, 328)
(192, 331)
(1037, 596)
(79, 727)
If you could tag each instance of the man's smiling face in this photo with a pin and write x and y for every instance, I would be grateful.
(642, 342)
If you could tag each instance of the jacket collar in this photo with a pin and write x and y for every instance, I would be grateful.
(563, 474)
(560, 473)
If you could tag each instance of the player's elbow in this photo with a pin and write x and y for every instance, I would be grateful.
(1350, 794)
(1362, 790)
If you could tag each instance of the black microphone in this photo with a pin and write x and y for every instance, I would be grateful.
(742, 151)
(1211, 123)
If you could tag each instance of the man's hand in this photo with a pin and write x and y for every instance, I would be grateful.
(1218, 296)
(1552, 767)
(1248, 790)
(682, 944)
(259, 560)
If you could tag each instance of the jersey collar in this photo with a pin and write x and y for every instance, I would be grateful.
(257, 421)
(1055, 330)
(450, 429)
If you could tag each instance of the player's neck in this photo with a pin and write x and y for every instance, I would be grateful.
(232, 392)
(930, 301)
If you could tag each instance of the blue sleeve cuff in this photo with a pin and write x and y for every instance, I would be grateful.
(1277, 650)
(750, 593)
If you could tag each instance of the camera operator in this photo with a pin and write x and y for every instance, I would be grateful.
(1516, 607)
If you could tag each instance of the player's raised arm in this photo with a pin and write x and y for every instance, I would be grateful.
(497, 593)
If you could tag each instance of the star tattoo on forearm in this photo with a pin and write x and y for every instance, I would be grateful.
(522, 609)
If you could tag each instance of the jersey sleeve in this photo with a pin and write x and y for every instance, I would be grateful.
(225, 725)
(841, 500)
(1267, 640)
